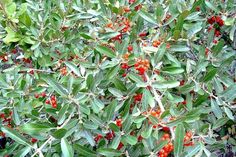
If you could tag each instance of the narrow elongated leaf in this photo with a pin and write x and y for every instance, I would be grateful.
(216, 109)
(146, 16)
(85, 151)
(194, 151)
(132, 140)
(66, 148)
(160, 145)
(220, 122)
(35, 128)
(15, 136)
(172, 70)
(210, 75)
(109, 152)
(73, 68)
(62, 113)
(179, 140)
(166, 84)
(56, 86)
(106, 51)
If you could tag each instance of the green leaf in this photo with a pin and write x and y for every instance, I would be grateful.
(115, 92)
(85, 151)
(194, 151)
(110, 110)
(15, 136)
(228, 113)
(90, 81)
(66, 148)
(210, 74)
(16, 117)
(114, 127)
(179, 140)
(73, 68)
(103, 7)
(216, 109)
(59, 133)
(179, 48)
(160, 53)
(115, 142)
(97, 105)
(61, 114)
(10, 9)
(194, 29)
(146, 16)
(160, 145)
(56, 86)
(218, 48)
(106, 51)
(172, 70)
(109, 152)
(11, 36)
(147, 133)
(166, 84)
(34, 128)
(220, 122)
(132, 140)
(109, 35)
(147, 100)
(211, 6)
(230, 93)
(153, 119)
(119, 84)
(23, 152)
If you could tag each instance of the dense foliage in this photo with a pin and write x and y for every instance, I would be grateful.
(117, 78)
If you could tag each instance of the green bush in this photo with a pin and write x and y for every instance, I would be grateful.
(117, 78)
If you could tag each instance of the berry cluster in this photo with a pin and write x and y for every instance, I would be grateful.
(110, 135)
(188, 138)
(168, 148)
(98, 137)
(63, 71)
(215, 22)
(43, 95)
(6, 120)
(156, 43)
(120, 146)
(120, 22)
(141, 65)
(119, 122)
(138, 97)
(52, 101)
(4, 58)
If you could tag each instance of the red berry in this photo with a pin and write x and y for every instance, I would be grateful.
(120, 146)
(165, 128)
(184, 102)
(34, 140)
(140, 138)
(2, 115)
(47, 101)
(119, 122)
(98, 137)
(124, 75)
(14, 51)
(182, 82)
(130, 48)
(31, 72)
(43, 94)
(36, 96)
(138, 7)
(166, 136)
(197, 8)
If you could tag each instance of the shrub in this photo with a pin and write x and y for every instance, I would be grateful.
(117, 78)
